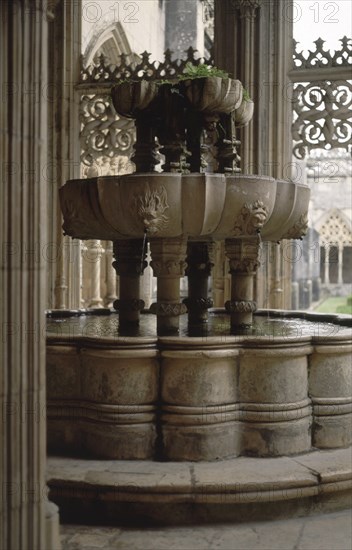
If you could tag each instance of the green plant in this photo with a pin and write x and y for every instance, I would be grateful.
(202, 71)
(246, 95)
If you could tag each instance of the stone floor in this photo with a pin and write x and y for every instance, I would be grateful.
(322, 532)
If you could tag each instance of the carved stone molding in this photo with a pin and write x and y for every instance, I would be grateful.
(252, 218)
(299, 229)
(198, 304)
(150, 209)
(241, 306)
(166, 309)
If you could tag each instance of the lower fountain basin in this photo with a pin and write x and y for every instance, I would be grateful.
(193, 205)
(280, 388)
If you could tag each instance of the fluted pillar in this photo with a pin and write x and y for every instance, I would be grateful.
(27, 522)
(253, 40)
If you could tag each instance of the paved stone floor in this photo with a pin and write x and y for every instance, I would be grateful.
(323, 532)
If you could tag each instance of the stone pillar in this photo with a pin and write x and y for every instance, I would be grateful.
(130, 263)
(244, 260)
(110, 276)
(200, 260)
(64, 274)
(277, 290)
(340, 263)
(168, 263)
(95, 252)
(253, 41)
(327, 265)
(295, 295)
(27, 521)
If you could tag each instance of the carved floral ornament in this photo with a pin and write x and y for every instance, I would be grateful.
(251, 219)
(150, 209)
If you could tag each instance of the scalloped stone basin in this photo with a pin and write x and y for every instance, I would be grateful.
(193, 205)
(282, 388)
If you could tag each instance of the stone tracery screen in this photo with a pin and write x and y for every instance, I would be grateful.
(322, 98)
(106, 139)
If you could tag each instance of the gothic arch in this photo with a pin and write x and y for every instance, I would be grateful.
(335, 227)
(111, 41)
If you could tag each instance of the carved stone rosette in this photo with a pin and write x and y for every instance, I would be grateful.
(243, 257)
(252, 218)
(168, 263)
(129, 264)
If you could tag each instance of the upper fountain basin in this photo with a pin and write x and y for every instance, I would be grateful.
(195, 205)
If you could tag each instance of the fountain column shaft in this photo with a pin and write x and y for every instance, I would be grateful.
(199, 264)
(129, 265)
(244, 260)
(168, 263)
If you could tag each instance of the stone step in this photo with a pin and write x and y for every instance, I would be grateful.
(109, 492)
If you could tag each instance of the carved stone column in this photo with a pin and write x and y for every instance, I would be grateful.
(27, 520)
(327, 265)
(200, 260)
(95, 253)
(64, 145)
(110, 276)
(253, 40)
(340, 263)
(130, 263)
(244, 260)
(168, 263)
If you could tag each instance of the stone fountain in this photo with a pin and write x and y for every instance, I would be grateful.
(197, 395)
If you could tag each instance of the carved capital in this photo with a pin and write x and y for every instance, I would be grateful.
(166, 309)
(243, 255)
(251, 219)
(241, 306)
(200, 259)
(129, 260)
(248, 8)
(168, 257)
(169, 268)
(299, 229)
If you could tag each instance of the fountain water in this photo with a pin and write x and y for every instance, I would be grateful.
(180, 397)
